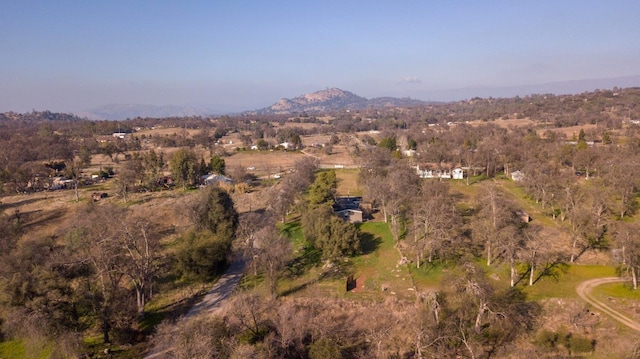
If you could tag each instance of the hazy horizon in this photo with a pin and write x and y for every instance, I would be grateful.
(71, 56)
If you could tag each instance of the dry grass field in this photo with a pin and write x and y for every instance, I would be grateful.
(506, 122)
(165, 131)
(569, 132)
(263, 163)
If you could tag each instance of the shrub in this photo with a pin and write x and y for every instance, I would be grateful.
(546, 338)
(579, 344)
(324, 348)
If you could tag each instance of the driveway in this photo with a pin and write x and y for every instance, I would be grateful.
(584, 291)
(213, 301)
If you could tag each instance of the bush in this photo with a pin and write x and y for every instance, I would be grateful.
(324, 348)
(546, 338)
(579, 344)
(202, 254)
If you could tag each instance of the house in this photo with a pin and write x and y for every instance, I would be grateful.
(524, 216)
(517, 176)
(348, 208)
(409, 153)
(457, 173)
(429, 173)
(60, 183)
(351, 215)
(211, 179)
(120, 135)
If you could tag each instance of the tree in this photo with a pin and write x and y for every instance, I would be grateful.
(203, 251)
(626, 235)
(141, 243)
(214, 210)
(537, 250)
(280, 201)
(217, 165)
(400, 187)
(185, 167)
(98, 245)
(495, 221)
(333, 236)
(435, 221)
(274, 252)
(389, 143)
(33, 279)
(130, 175)
(282, 196)
(250, 226)
(323, 188)
(153, 164)
(202, 254)
(588, 217)
(200, 337)
(477, 316)
(85, 155)
(622, 175)
(74, 171)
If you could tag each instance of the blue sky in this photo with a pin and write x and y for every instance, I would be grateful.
(241, 55)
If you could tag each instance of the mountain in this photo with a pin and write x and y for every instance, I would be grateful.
(572, 87)
(331, 100)
(125, 111)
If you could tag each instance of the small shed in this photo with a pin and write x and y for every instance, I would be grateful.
(517, 176)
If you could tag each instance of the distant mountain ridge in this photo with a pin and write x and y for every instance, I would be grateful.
(125, 111)
(334, 99)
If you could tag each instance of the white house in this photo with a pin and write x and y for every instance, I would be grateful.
(409, 153)
(214, 179)
(457, 173)
(120, 135)
(517, 176)
(428, 173)
(286, 145)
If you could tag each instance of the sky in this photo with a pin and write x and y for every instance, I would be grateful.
(239, 55)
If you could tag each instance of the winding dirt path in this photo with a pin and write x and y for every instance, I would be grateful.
(212, 302)
(584, 291)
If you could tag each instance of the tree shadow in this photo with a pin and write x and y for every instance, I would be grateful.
(309, 258)
(369, 243)
(26, 201)
(171, 311)
(298, 288)
(339, 270)
(289, 228)
(553, 270)
(40, 217)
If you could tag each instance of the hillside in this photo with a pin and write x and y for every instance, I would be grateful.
(334, 99)
(127, 111)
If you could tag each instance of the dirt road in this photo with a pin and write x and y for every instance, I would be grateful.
(584, 291)
(213, 301)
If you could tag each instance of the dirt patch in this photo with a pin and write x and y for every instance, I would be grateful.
(263, 163)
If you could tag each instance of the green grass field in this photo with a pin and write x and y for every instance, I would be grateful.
(376, 270)
(563, 282)
(18, 350)
(617, 290)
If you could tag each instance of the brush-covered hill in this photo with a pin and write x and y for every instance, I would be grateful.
(334, 99)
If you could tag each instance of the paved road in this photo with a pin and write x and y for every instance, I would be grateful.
(213, 301)
(584, 291)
